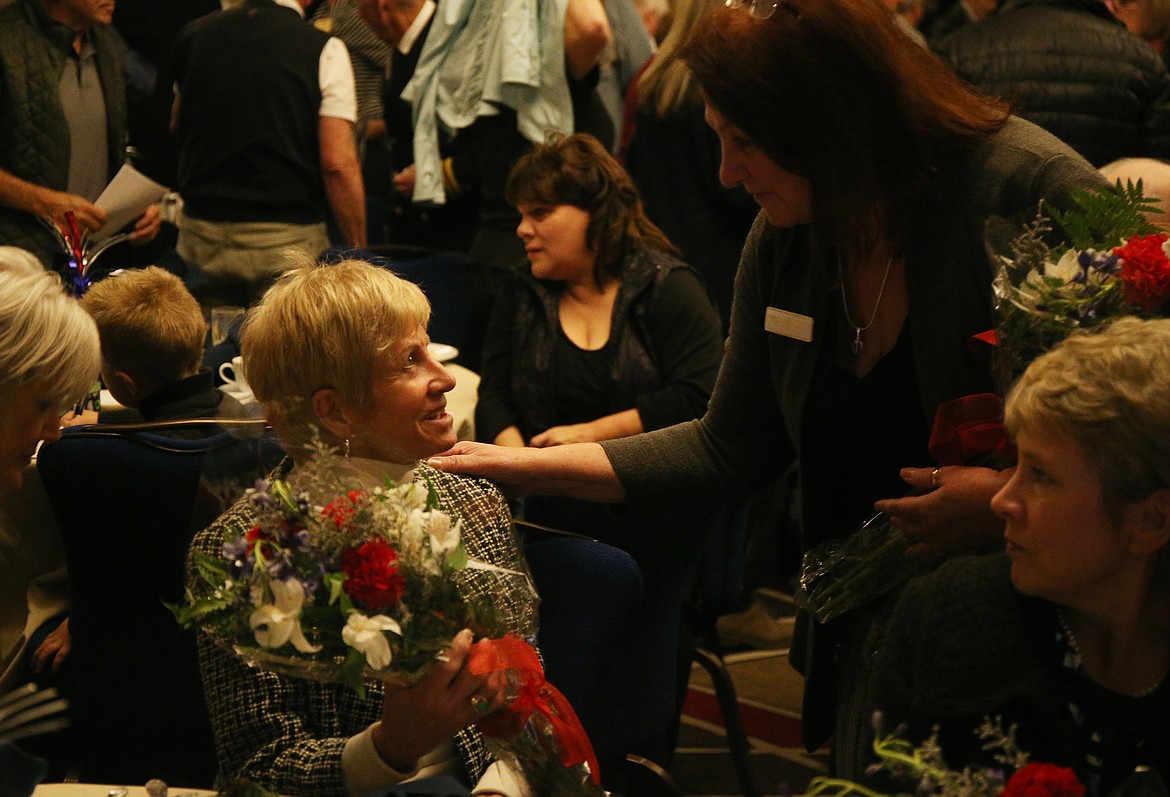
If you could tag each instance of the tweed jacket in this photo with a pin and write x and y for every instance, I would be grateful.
(34, 136)
(288, 734)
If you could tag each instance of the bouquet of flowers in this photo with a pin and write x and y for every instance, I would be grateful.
(925, 772)
(339, 584)
(1112, 262)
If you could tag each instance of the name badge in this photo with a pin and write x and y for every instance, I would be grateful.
(789, 324)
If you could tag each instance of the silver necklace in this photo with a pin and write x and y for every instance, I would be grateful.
(1080, 657)
(857, 328)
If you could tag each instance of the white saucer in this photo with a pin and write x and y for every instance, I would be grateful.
(442, 351)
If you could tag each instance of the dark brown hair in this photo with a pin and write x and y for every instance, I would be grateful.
(833, 91)
(577, 170)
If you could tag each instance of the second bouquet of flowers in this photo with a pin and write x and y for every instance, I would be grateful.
(1076, 269)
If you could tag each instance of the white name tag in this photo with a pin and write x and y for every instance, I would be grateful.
(790, 325)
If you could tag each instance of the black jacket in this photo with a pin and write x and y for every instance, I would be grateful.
(1071, 68)
(665, 340)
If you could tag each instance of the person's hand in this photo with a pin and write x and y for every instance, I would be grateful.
(506, 466)
(416, 719)
(147, 226)
(82, 418)
(54, 650)
(56, 204)
(404, 182)
(953, 512)
(563, 435)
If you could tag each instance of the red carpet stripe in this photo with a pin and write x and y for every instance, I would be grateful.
(770, 726)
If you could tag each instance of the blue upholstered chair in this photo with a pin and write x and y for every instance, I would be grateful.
(441, 276)
(589, 591)
(128, 501)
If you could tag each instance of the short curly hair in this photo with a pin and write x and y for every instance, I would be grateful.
(323, 326)
(45, 336)
(1108, 390)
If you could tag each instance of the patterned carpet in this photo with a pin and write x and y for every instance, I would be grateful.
(768, 696)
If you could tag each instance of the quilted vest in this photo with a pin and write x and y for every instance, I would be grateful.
(34, 136)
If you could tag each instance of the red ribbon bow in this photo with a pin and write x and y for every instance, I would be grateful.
(968, 429)
(536, 696)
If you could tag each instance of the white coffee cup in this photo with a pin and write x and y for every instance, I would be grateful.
(234, 383)
(233, 372)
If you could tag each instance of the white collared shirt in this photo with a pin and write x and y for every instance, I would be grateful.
(416, 28)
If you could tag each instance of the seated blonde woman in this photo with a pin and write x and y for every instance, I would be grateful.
(340, 351)
(1066, 634)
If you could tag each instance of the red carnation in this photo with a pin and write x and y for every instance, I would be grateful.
(261, 539)
(1145, 271)
(1043, 780)
(340, 510)
(371, 574)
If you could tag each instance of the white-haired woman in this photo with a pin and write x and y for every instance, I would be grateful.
(340, 352)
(1067, 634)
(49, 358)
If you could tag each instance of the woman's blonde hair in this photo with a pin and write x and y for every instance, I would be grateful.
(323, 326)
(668, 84)
(1109, 391)
(45, 336)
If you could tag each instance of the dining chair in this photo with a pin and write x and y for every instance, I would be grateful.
(589, 592)
(128, 499)
(441, 275)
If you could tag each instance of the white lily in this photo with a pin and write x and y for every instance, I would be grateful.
(365, 634)
(444, 534)
(275, 624)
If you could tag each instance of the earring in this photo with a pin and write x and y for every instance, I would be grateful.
(345, 453)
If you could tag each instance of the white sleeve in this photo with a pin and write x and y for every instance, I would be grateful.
(335, 77)
(363, 770)
(501, 778)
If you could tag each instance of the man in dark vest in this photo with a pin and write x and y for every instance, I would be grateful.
(264, 113)
(62, 121)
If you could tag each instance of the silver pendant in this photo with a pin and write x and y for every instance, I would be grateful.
(857, 344)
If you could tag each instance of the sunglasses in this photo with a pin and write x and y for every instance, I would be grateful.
(763, 9)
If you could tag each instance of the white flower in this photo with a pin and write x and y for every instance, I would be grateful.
(1066, 268)
(275, 624)
(444, 534)
(364, 634)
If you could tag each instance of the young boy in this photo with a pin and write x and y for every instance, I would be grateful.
(152, 335)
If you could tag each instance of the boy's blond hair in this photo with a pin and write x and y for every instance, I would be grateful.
(150, 325)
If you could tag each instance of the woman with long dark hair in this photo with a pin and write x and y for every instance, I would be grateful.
(859, 287)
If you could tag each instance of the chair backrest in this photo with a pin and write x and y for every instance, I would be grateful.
(589, 592)
(128, 501)
(441, 276)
